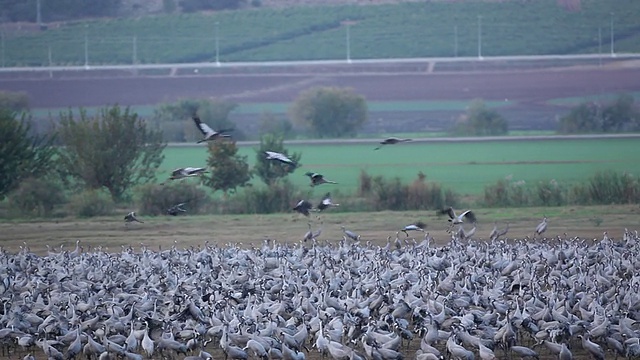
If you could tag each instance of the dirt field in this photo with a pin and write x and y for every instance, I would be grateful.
(527, 91)
(111, 234)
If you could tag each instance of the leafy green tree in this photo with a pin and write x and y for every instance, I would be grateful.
(114, 149)
(229, 170)
(270, 171)
(621, 115)
(481, 121)
(591, 117)
(584, 118)
(22, 155)
(330, 111)
(36, 196)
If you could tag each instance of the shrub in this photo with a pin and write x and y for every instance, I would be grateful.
(36, 197)
(90, 203)
(613, 188)
(422, 195)
(506, 193)
(394, 195)
(549, 193)
(330, 111)
(364, 183)
(155, 199)
(481, 121)
(278, 197)
(591, 117)
(389, 194)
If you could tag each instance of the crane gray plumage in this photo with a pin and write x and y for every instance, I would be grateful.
(185, 172)
(350, 234)
(464, 234)
(318, 179)
(391, 141)
(497, 233)
(542, 227)
(303, 207)
(208, 133)
(131, 217)
(497, 294)
(176, 209)
(594, 349)
(309, 234)
(417, 226)
(455, 219)
(524, 351)
(272, 155)
(494, 232)
(326, 203)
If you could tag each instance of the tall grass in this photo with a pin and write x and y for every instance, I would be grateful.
(392, 194)
(602, 188)
(156, 199)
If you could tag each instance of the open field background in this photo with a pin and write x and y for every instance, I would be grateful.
(110, 233)
(465, 167)
(416, 102)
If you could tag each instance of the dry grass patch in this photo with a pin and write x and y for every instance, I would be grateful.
(111, 234)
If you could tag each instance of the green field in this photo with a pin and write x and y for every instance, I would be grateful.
(408, 30)
(466, 167)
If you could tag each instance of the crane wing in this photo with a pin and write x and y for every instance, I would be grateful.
(204, 128)
(177, 172)
(469, 215)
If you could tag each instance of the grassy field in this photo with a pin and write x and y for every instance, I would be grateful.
(110, 233)
(431, 29)
(466, 167)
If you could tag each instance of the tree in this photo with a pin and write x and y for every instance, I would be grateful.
(621, 115)
(270, 171)
(584, 118)
(591, 117)
(229, 170)
(114, 149)
(481, 121)
(330, 111)
(21, 155)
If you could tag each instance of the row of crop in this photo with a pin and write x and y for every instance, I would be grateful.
(383, 31)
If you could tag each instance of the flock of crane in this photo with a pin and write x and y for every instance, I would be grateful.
(560, 297)
(556, 297)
